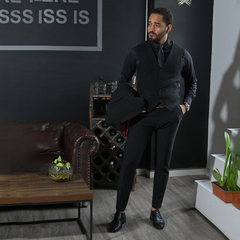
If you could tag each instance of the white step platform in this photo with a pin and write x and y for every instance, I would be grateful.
(223, 215)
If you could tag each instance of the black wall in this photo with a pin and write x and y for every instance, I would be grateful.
(192, 29)
(54, 85)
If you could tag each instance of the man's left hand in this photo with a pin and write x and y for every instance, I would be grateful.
(183, 107)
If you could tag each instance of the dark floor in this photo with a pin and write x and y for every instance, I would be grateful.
(183, 221)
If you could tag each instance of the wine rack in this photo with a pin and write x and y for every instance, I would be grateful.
(106, 164)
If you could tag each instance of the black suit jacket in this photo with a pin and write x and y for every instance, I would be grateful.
(125, 104)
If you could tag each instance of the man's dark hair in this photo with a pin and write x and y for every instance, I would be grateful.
(167, 15)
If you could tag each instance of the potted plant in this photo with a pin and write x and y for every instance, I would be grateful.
(60, 170)
(227, 186)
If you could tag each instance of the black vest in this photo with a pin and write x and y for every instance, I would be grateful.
(155, 84)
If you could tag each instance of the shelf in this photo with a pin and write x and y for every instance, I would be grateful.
(101, 118)
(223, 215)
(102, 96)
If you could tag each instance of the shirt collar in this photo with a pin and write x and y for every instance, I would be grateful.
(156, 45)
(167, 44)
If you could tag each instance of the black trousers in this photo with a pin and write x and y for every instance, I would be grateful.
(165, 124)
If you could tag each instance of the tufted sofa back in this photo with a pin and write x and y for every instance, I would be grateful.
(30, 146)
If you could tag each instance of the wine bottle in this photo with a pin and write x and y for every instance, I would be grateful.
(111, 147)
(119, 139)
(112, 162)
(104, 125)
(119, 154)
(112, 132)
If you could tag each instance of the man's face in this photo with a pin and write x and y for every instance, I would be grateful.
(157, 29)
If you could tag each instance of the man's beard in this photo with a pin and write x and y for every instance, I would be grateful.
(156, 39)
(159, 37)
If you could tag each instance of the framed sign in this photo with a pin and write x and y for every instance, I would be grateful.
(51, 25)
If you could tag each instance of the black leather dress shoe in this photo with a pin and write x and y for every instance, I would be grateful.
(157, 220)
(116, 224)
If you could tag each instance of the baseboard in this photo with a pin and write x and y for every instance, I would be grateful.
(174, 173)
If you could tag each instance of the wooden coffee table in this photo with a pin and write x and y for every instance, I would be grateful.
(36, 189)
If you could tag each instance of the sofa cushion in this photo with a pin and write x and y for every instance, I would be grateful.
(40, 137)
(30, 147)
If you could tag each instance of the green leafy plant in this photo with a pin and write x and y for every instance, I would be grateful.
(60, 164)
(60, 170)
(230, 171)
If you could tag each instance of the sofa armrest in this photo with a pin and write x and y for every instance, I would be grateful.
(79, 145)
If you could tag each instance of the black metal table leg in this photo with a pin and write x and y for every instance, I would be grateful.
(91, 218)
(79, 220)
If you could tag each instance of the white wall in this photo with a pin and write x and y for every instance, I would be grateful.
(224, 106)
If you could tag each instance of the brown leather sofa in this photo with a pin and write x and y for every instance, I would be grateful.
(31, 146)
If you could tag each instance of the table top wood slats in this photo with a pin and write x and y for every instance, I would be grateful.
(36, 189)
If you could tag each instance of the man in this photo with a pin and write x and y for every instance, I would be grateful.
(159, 64)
